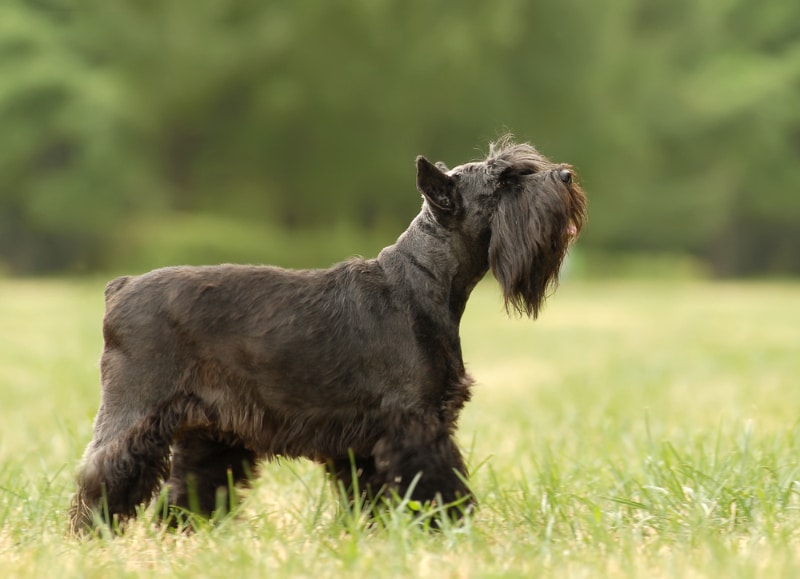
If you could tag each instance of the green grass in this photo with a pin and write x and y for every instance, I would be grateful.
(638, 429)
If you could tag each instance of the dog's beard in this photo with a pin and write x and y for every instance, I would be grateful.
(531, 232)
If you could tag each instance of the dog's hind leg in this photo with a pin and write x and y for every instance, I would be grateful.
(205, 466)
(419, 459)
(124, 464)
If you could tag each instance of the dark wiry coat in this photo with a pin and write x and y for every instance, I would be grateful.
(207, 369)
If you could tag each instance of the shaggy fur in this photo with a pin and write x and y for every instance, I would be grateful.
(206, 370)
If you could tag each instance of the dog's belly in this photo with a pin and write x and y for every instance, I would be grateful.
(302, 429)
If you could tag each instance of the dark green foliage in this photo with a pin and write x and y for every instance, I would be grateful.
(681, 117)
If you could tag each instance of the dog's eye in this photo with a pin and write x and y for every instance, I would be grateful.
(515, 172)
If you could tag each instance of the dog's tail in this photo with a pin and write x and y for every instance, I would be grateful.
(115, 285)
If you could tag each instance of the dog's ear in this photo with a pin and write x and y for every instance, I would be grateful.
(436, 186)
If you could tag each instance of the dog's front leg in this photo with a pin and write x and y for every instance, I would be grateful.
(418, 459)
(355, 479)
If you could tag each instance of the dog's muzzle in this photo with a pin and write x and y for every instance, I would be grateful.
(572, 231)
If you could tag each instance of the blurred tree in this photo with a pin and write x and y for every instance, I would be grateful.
(704, 128)
(66, 175)
(681, 116)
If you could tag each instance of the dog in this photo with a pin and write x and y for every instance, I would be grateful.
(207, 370)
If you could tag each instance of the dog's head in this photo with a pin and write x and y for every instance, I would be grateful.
(519, 207)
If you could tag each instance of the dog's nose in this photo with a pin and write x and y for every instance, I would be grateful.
(565, 176)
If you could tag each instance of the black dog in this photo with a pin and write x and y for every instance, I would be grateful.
(222, 366)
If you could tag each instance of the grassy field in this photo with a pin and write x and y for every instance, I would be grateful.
(639, 429)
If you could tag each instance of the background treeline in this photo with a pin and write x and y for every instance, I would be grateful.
(163, 127)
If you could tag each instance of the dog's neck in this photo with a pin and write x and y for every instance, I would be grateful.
(442, 261)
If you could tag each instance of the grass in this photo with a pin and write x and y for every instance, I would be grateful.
(638, 429)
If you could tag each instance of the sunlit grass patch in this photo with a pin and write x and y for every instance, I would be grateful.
(638, 429)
